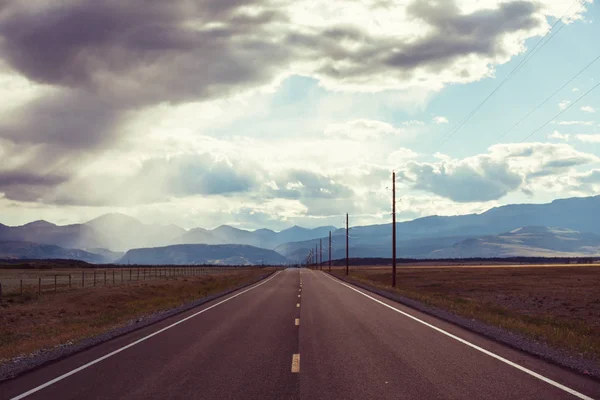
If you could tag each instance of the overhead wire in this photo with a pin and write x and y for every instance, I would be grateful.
(548, 98)
(529, 55)
(560, 113)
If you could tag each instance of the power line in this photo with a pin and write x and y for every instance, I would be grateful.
(560, 113)
(548, 98)
(528, 57)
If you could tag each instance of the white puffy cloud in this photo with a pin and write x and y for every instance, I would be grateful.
(583, 123)
(503, 169)
(559, 136)
(361, 129)
(563, 104)
(588, 138)
(440, 120)
(400, 156)
(588, 109)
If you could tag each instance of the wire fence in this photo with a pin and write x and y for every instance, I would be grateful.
(38, 282)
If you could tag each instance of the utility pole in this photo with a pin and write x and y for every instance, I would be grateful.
(329, 251)
(321, 253)
(316, 257)
(347, 257)
(393, 229)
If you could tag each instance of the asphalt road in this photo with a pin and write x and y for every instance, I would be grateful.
(333, 342)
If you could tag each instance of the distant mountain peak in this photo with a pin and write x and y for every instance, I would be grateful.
(114, 218)
(39, 224)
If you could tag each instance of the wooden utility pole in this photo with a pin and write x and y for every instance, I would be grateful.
(321, 253)
(347, 254)
(394, 229)
(329, 251)
(316, 257)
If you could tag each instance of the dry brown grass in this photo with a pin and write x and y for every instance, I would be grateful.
(29, 323)
(559, 305)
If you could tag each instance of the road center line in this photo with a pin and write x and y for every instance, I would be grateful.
(297, 322)
(66, 375)
(298, 305)
(474, 346)
(296, 363)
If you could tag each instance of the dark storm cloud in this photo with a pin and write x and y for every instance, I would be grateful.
(69, 119)
(27, 186)
(453, 35)
(140, 52)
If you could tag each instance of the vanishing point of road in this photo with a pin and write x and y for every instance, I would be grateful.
(301, 334)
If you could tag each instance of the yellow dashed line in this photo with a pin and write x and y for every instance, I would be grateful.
(296, 363)
(297, 322)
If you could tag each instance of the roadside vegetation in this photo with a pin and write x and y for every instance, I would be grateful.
(29, 323)
(558, 305)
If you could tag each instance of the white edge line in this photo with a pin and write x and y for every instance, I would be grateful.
(66, 375)
(463, 341)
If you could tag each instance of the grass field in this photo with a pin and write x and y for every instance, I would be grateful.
(30, 322)
(559, 305)
(48, 276)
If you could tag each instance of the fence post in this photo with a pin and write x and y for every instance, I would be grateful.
(54, 283)
(69, 281)
(39, 286)
(113, 276)
(138, 273)
(0, 292)
(82, 279)
(21, 287)
(94, 278)
(104, 278)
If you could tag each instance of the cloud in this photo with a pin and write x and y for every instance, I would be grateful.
(485, 177)
(413, 122)
(84, 92)
(559, 136)
(130, 50)
(361, 129)
(463, 181)
(591, 138)
(440, 120)
(584, 123)
(157, 180)
(563, 104)
(399, 156)
(301, 184)
(588, 109)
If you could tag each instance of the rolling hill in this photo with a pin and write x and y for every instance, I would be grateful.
(35, 251)
(531, 241)
(195, 254)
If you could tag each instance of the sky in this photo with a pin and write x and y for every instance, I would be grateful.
(281, 113)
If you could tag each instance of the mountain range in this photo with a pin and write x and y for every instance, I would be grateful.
(562, 227)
